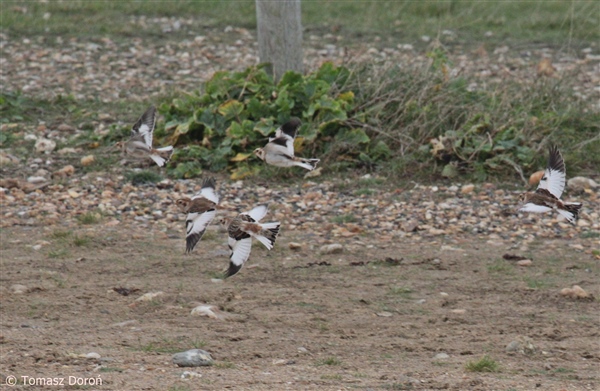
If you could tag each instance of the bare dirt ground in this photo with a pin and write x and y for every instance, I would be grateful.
(371, 317)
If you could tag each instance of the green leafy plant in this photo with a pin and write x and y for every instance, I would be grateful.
(238, 111)
(485, 364)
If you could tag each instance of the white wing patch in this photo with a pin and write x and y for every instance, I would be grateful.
(531, 207)
(197, 222)
(258, 212)
(240, 251)
(555, 174)
(144, 126)
(553, 181)
(208, 193)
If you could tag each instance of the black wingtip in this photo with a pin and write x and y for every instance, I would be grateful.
(209, 182)
(291, 127)
(555, 160)
(232, 270)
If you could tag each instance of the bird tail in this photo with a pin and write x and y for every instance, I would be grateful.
(268, 234)
(161, 155)
(570, 210)
(309, 164)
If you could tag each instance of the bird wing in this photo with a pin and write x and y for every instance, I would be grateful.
(555, 174)
(195, 225)
(208, 191)
(240, 252)
(144, 127)
(281, 146)
(257, 213)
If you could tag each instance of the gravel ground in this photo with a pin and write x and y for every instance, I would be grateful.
(138, 239)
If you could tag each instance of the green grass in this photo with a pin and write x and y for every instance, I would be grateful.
(401, 291)
(171, 345)
(225, 365)
(343, 219)
(81, 241)
(556, 22)
(537, 283)
(143, 177)
(89, 218)
(329, 361)
(485, 364)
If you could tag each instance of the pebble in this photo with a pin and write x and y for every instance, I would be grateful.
(576, 292)
(36, 179)
(44, 145)
(384, 314)
(295, 246)
(87, 160)
(525, 262)
(67, 170)
(334, 248)
(211, 311)
(466, 189)
(523, 345)
(186, 375)
(441, 356)
(580, 183)
(149, 296)
(18, 289)
(92, 355)
(193, 358)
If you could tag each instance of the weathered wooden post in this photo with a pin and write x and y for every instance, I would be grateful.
(280, 35)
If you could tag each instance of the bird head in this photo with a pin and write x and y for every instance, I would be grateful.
(183, 203)
(260, 153)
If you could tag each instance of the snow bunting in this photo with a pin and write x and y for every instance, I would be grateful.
(547, 195)
(241, 230)
(201, 210)
(279, 151)
(140, 143)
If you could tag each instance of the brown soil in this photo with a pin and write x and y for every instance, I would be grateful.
(298, 320)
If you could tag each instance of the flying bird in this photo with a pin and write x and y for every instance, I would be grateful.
(201, 209)
(242, 229)
(279, 151)
(139, 144)
(547, 195)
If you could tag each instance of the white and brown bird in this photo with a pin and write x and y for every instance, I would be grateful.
(139, 144)
(279, 151)
(201, 209)
(242, 229)
(547, 195)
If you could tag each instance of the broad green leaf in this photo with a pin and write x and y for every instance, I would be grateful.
(352, 136)
(231, 109)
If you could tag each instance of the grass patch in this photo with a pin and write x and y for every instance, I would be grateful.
(59, 234)
(111, 369)
(343, 219)
(536, 283)
(143, 177)
(224, 365)
(89, 218)
(456, 22)
(171, 345)
(401, 291)
(590, 235)
(59, 253)
(328, 361)
(501, 267)
(485, 364)
(81, 241)
(331, 377)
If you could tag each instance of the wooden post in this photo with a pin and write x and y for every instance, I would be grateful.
(280, 35)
